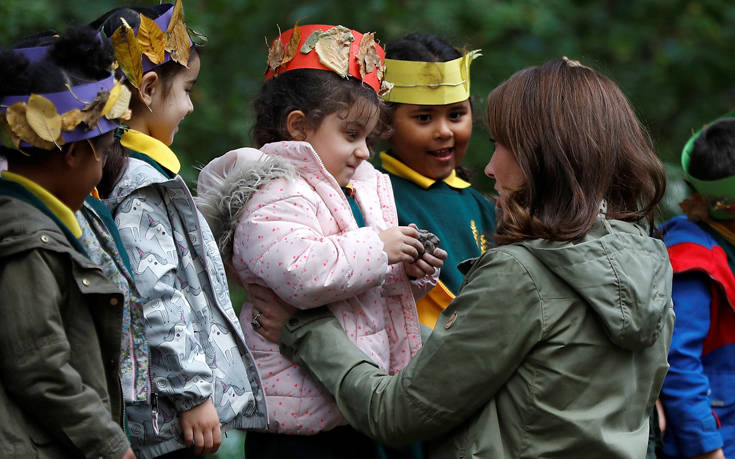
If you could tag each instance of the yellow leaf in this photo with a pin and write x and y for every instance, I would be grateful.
(128, 53)
(177, 39)
(293, 45)
(71, 119)
(43, 118)
(7, 138)
(275, 54)
(16, 116)
(151, 39)
(117, 108)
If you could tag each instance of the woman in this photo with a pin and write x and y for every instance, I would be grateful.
(556, 343)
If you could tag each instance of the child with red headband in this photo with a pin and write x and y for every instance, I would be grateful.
(307, 217)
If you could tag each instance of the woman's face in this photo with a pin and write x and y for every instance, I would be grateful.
(504, 168)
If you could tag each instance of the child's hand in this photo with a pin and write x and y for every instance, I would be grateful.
(270, 311)
(426, 265)
(401, 243)
(201, 428)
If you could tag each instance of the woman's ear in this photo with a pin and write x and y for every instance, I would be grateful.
(149, 84)
(296, 125)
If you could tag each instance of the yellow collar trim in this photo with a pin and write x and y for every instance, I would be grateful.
(61, 210)
(429, 83)
(157, 150)
(399, 169)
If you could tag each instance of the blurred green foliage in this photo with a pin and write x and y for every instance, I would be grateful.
(673, 58)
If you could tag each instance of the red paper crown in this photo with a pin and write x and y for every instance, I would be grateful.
(324, 47)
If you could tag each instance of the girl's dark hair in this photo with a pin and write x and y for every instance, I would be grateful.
(421, 47)
(713, 153)
(317, 93)
(109, 22)
(577, 141)
(78, 56)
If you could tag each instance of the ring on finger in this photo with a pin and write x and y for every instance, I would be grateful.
(255, 322)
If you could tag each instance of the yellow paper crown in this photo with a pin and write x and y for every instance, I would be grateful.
(429, 83)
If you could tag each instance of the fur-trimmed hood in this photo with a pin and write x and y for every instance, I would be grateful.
(227, 183)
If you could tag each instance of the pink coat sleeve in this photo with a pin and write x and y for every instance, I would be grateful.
(281, 239)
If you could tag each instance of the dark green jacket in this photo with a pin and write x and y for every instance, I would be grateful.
(550, 350)
(59, 344)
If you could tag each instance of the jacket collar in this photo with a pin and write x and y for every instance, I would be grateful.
(399, 169)
(152, 148)
(58, 208)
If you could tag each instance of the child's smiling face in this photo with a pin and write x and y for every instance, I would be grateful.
(431, 139)
(340, 140)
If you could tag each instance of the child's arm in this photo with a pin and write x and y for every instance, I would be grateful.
(35, 359)
(181, 372)
(282, 242)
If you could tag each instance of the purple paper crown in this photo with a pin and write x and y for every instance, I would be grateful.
(75, 97)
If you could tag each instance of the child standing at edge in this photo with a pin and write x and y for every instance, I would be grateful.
(60, 333)
(309, 218)
(431, 120)
(204, 379)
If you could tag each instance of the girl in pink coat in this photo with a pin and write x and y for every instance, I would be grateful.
(307, 217)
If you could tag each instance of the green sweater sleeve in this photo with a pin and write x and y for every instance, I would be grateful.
(477, 344)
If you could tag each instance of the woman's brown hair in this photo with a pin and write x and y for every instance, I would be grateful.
(577, 141)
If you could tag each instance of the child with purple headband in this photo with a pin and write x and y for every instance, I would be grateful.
(204, 380)
(61, 330)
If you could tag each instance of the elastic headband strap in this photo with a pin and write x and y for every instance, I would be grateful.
(429, 83)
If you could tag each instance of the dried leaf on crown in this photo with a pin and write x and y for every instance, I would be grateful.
(177, 38)
(151, 40)
(128, 53)
(292, 47)
(333, 49)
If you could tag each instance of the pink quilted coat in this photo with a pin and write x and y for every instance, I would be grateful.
(295, 233)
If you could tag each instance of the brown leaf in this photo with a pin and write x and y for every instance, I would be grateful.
(71, 119)
(293, 45)
(93, 110)
(695, 207)
(16, 117)
(275, 54)
(151, 40)
(7, 138)
(43, 118)
(333, 48)
(367, 54)
(128, 53)
(177, 39)
(311, 42)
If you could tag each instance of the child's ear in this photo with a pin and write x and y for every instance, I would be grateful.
(72, 155)
(149, 84)
(296, 125)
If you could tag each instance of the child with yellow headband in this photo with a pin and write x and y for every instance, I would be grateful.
(431, 119)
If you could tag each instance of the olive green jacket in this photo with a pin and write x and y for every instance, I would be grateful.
(59, 343)
(550, 349)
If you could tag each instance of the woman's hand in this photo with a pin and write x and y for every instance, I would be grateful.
(270, 313)
(401, 243)
(201, 428)
(427, 264)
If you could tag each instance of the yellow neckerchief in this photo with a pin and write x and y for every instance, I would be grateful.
(152, 147)
(724, 231)
(399, 169)
(350, 190)
(58, 208)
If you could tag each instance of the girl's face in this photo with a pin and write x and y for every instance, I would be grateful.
(170, 107)
(504, 168)
(85, 169)
(432, 139)
(341, 140)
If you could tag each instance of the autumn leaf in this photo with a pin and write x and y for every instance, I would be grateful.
(117, 105)
(293, 45)
(151, 40)
(7, 138)
(333, 49)
(367, 54)
(16, 117)
(43, 118)
(177, 39)
(311, 42)
(275, 54)
(128, 53)
(71, 119)
(93, 110)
